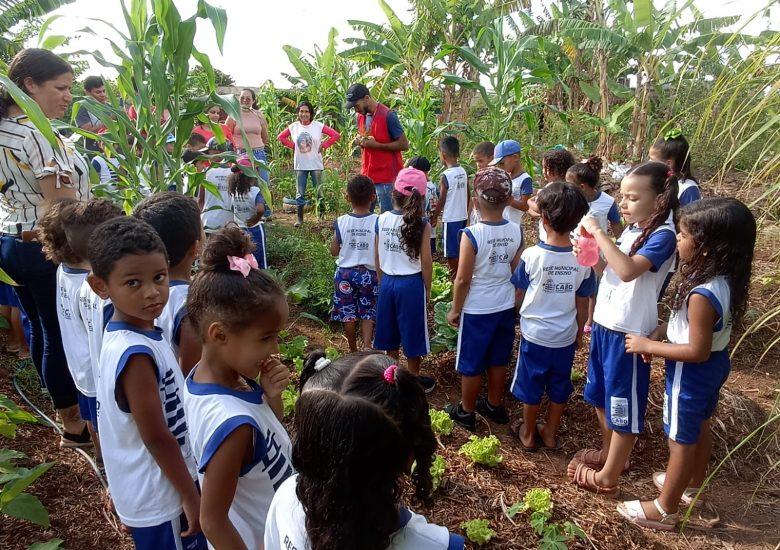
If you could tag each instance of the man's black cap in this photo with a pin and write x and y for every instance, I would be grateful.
(355, 93)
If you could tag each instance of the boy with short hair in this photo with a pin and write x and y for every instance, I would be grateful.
(146, 450)
(176, 219)
(507, 156)
(453, 200)
(483, 303)
(356, 282)
(554, 291)
(482, 155)
(431, 192)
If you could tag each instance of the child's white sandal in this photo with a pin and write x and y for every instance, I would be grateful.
(632, 510)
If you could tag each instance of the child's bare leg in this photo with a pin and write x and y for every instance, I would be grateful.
(701, 459)
(95, 440)
(496, 385)
(549, 431)
(414, 364)
(350, 331)
(591, 309)
(678, 474)
(469, 390)
(367, 331)
(606, 432)
(528, 432)
(620, 447)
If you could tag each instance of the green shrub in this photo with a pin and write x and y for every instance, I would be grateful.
(441, 422)
(482, 450)
(478, 531)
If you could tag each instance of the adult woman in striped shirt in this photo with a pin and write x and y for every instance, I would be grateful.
(33, 174)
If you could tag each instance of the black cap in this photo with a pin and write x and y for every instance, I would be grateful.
(355, 93)
(421, 163)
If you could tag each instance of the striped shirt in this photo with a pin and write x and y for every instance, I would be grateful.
(26, 157)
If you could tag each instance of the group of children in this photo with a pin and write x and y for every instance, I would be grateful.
(384, 277)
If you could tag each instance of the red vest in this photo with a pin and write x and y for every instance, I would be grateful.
(380, 166)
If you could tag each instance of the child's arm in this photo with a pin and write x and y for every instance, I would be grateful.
(274, 378)
(526, 190)
(201, 197)
(521, 281)
(701, 320)
(443, 186)
(626, 267)
(462, 283)
(581, 303)
(190, 346)
(426, 262)
(376, 258)
(219, 488)
(138, 382)
(259, 211)
(533, 209)
(335, 241)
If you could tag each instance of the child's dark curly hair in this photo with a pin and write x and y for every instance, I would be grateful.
(724, 231)
(563, 205)
(413, 227)
(239, 183)
(80, 219)
(557, 161)
(664, 183)
(349, 456)
(120, 237)
(52, 234)
(176, 218)
(403, 399)
(587, 172)
(360, 190)
(332, 376)
(220, 294)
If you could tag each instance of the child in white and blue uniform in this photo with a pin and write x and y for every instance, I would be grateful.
(453, 204)
(483, 304)
(356, 282)
(636, 267)
(715, 245)
(673, 149)
(405, 271)
(241, 448)
(555, 290)
(431, 192)
(139, 390)
(248, 207)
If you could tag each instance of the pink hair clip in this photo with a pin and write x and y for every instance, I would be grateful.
(390, 374)
(242, 265)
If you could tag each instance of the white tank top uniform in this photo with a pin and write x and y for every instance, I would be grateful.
(356, 234)
(286, 526)
(307, 139)
(142, 494)
(393, 259)
(456, 204)
(521, 185)
(95, 313)
(106, 169)
(217, 210)
(631, 307)
(75, 339)
(214, 412)
(245, 206)
(495, 246)
(173, 313)
(688, 192)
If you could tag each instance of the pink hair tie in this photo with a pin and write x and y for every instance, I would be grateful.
(242, 265)
(390, 374)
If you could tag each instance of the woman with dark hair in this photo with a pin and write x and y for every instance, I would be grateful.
(33, 174)
(304, 137)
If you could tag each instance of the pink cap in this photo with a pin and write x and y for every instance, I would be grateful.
(410, 179)
(243, 160)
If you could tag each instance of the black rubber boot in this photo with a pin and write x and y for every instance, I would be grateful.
(300, 217)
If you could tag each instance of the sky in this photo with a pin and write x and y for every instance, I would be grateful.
(257, 29)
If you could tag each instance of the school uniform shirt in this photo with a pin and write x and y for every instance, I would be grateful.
(245, 206)
(551, 278)
(95, 313)
(75, 340)
(173, 313)
(688, 192)
(285, 527)
(631, 307)
(106, 169)
(431, 198)
(521, 185)
(495, 246)
(455, 208)
(217, 211)
(603, 207)
(142, 494)
(393, 260)
(214, 412)
(356, 235)
(718, 293)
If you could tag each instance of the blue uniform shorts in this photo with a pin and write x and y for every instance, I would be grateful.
(401, 318)
(257, 234)
(354, 296)
(541, 370)
(167, 536)
(88, 408)
(451, 238)
(485, 341)
(692, 391)
(618, 382)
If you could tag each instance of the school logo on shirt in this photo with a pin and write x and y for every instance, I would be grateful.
(552, 287)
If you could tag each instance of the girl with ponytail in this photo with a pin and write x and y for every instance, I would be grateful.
(673, 150)
(405, 271)
(635, 268)
(241, 448)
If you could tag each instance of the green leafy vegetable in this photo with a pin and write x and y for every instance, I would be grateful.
(539, 500)
(438, 467)
(289, 398)
(441, 285)
(441, 422)
(446, 337)
(292, 348)
(478, 531)
(482, 450)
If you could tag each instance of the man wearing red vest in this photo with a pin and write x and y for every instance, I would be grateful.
(381, 138)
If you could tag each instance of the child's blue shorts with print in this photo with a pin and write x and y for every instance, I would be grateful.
(618, 382)
(692, 391)
(485, 340)
(541, 369)
(354, 297)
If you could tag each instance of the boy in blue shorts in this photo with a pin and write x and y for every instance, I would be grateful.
(554, 291)
(356, 283)
(483, 304)
(453, 200)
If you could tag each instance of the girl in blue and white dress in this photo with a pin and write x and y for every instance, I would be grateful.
(715, 245)
(248, 207)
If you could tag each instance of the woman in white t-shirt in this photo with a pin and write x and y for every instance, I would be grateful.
(305, 138)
